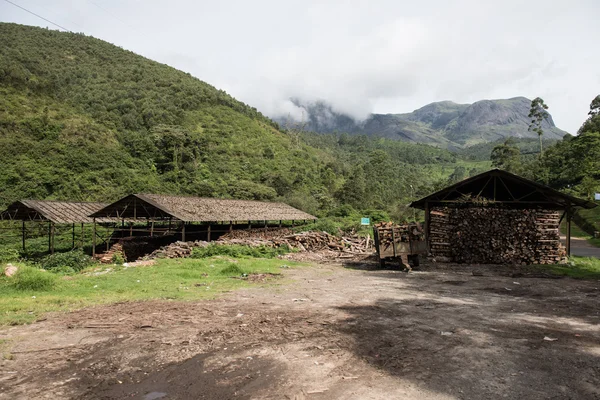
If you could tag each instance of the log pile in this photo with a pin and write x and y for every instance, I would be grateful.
(493, 235)
(257, 233)
(389, 232)
(318, 241)
(440, 231)
(175, 250)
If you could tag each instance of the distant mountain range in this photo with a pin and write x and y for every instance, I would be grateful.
(445, 123)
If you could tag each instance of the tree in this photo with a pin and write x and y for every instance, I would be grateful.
(538, 114)
(592, 124)
(507, 156)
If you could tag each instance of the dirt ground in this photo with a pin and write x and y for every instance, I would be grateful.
(325, 332)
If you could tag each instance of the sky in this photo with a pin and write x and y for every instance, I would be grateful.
(360, 56)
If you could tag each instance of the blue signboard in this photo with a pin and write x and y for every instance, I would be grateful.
(365, 221)
(597, 196)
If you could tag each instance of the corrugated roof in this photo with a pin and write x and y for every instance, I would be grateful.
(503, 187)
(199, 209)
(60, 212)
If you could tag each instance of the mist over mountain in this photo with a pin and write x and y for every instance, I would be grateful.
(445, 123)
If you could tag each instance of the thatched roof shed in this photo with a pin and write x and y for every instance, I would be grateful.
(198, 209)
(58, 212)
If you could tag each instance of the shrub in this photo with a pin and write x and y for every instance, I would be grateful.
(118, 259)
(232, 270)
(237, 251)
(8, 255)
(75, 259)
(30, 278)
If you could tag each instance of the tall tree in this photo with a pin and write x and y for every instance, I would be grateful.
(538, 114)
(507, 156)
(592, 124)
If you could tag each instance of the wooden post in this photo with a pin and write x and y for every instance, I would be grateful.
(73, 236)
(49, 236)
(292, 224)
(569, 232)
(131, 229)
(94, 239)
(82, 236)
(249, 225)
(279, 223)
(208, 233)
(52, 238)
(266, 225)
(230, 226)
(183, 232)
(23, 231)
(427, 222)
(152, 228)
(170, 221)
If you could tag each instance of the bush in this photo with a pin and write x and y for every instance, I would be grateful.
(237, 251)
(232, 270)
(118, 259)
(75, 259)
(8, 255)
(30, 278)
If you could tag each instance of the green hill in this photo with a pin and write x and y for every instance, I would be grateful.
(83, 119)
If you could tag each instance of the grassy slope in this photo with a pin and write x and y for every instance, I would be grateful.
(179, 279)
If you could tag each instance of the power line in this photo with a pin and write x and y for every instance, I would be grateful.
(114, 16)
(39, 16)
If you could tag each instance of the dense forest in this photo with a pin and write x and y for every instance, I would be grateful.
(82, 119)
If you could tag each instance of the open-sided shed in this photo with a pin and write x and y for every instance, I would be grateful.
(506, 210)
(181, 210)
(54, 213)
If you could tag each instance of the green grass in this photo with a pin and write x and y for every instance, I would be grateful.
(577, 232)
(178, 279)
(578, 267)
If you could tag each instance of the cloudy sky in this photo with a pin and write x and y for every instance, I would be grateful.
(362, 57)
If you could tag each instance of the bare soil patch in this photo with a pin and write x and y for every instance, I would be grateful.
(334, 331)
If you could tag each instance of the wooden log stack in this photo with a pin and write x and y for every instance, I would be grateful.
(493, 235)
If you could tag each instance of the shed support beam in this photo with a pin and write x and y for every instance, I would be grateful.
(427, 219)
(23, 231)
(82, 236)
(52, 234)
(568, 232)
(208, 233)
(94, 239)
(183, 232)
(73, 246)
(230, 226)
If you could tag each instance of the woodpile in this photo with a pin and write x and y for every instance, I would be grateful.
(175, 250)
(491, 235)
(318, 241)
(389, 232)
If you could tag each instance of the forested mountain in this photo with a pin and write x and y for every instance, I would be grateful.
(444, 124)
(82, 119)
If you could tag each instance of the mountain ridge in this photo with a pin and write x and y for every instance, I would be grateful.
(444, 123)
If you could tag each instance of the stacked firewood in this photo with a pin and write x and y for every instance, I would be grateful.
(268, 233)
(496, 235)
(440, 231)
(317, 241)
(388, 232)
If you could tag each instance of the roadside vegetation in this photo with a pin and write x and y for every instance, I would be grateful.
(29, 294)
(578, 267)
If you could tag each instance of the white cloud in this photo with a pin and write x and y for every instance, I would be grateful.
(380, 56)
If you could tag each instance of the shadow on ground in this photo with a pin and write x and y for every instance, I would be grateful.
(467, 338)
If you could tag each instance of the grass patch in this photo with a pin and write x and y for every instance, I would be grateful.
(32, 279)
(578, 267)
(178, 279)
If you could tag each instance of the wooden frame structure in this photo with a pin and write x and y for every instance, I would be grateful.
(164, 214)
(501, 187)
(53, 213)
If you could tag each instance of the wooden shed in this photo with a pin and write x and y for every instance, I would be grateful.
(65, 213)
(210, 217)
(498, 217)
